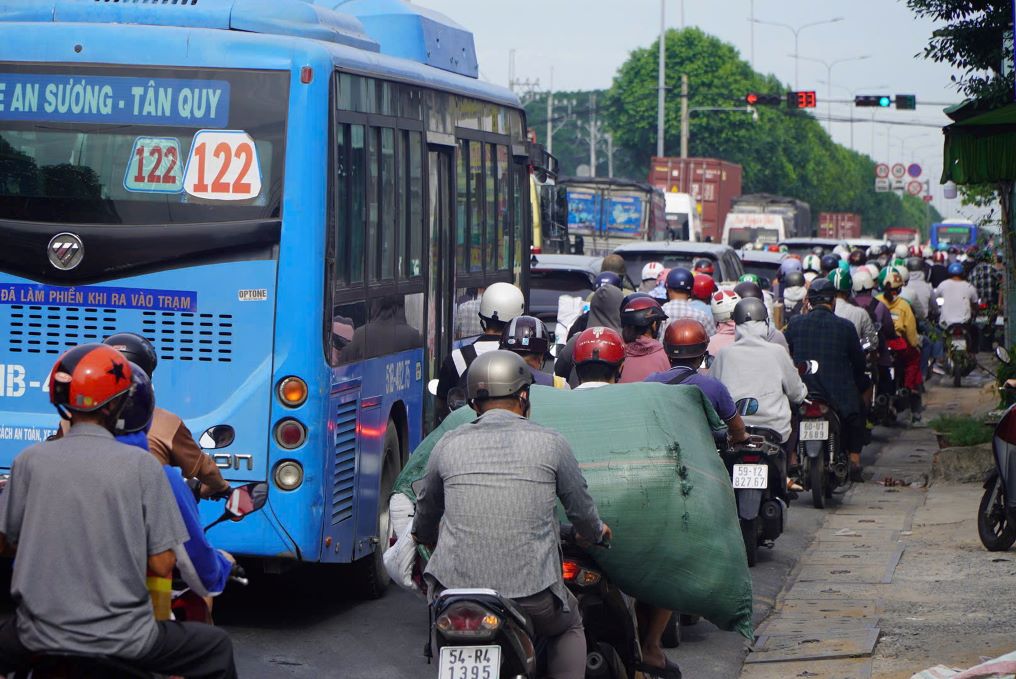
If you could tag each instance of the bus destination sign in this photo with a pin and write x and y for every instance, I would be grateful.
(114, 100)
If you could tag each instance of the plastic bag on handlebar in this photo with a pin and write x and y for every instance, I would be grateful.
(653, 470)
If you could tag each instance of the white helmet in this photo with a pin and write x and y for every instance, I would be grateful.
(812, 263)
(928, 252)
(651, 271)
(809, 276)
(863, 280)
(842, 250)
(723, 303)
(901, 252)
(501, 302)
(873, 270)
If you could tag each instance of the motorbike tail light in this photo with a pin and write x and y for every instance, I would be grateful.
(814, 409)
(958, 332)
(570, 570)
(751, 459)
(982, 306)
(575, 574)
(468, 620)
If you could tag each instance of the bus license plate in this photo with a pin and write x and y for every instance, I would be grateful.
(959, 344)
(814, 430)
(751, 476)
(470, 662)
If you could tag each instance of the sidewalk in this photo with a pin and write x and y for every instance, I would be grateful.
(896, 579)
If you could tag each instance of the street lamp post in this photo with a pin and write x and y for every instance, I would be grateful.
(797, 32)
(829, 82)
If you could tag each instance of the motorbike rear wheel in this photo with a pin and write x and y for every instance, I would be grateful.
(957, 373)
(672, 634)
(994, 527)
(749, 533)
(817, 480)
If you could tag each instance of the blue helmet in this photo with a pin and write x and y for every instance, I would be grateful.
(139, 407)
(681, 280)
(790, 265)
(608, 278)
(956, 269)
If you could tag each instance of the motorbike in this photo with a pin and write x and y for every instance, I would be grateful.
(883, 402)
(959, 352)
(242, 501)
(825, 464)
(478, 633)
(989, 326)
(996, 515)
(756, 469)
(608, 614)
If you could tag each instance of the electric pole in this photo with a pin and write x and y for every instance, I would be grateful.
(662, 84)
(593, 134)
(550, 113)
(684, 115)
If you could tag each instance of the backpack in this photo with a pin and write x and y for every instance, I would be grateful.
(681, 379)
(458, 395)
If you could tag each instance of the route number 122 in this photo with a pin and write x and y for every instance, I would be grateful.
(223, 165)
(154, 166)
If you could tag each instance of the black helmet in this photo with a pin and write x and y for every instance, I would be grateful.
(140, 404)
(750, 309)
(858, 258)
(525, 335)
(641, 310)
(829, 262)
(135, 349)
(821, 291)
(794, 279)
(915, 264)
(749, 290)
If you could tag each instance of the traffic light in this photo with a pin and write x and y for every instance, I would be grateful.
(756, 99)
(906, 102)
(804, 99)
(880, 100)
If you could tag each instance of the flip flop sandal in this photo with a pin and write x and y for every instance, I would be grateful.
(671, 671)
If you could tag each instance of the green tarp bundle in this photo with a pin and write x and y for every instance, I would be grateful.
(648, 455)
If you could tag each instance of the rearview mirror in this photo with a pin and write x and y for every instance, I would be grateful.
(246, 499)
(432, 387)
(219, 436)
(746, 406)
(1003, 355)
(808, 368)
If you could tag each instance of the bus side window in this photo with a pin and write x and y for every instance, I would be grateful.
(414, 215)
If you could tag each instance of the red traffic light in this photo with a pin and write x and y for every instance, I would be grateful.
(756, 99)
(803, 99)
(751, 98)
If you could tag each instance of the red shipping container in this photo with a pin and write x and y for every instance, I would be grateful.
(842, 225)
(713, 183)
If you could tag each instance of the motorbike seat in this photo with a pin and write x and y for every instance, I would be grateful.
(768, 434)
(52, 664)
(520, 616)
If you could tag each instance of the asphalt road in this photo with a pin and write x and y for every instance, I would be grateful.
(305, 625)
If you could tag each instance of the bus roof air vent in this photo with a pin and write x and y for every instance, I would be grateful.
(297, 18)
(412, 32)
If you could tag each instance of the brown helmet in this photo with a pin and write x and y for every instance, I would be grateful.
(685, 338)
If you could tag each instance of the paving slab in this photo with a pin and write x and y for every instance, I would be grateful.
(814, 645)
(832, 591)
(859, 532)
(895, 520)
(857, 574)
(840, 668)
(859, 608)
(861, 557)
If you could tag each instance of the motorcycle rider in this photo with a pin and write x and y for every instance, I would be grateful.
(527, 336)
(680, 283)
(908, 354)
(86, 516)
(500, 303)
(865, 298)
(812, 265)
(822, 336)
(845, 308)
(650, 272)
(525, 469)
(703, 288)
(939, 269)
(748, 290)
(794, 291)
(959, 297)
(723, 304)
(918, 292)
(604, 311)
(641, 319)
(615, 264)
(777, 388)
(986, 277)
(169, 439)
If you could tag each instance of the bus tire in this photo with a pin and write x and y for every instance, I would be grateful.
(373, 579)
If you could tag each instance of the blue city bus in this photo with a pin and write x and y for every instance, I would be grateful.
(959, 233)
(292, 202)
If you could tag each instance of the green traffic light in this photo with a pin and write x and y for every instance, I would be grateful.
(884, 101)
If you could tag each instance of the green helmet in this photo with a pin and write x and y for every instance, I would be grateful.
(841, 280)
(897, 261)
(750, 278)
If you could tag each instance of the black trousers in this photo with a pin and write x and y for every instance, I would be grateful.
(189, 649)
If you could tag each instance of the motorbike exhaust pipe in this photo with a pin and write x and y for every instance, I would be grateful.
(596, 666)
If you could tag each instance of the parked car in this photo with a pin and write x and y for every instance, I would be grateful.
(551, 276)
(680, 253)
(804, 246)
(763, 264)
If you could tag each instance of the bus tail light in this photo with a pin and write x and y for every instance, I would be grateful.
(288, 475)
(292, 391)
(290, 434)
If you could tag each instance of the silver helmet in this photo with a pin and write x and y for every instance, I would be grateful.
(497, 374)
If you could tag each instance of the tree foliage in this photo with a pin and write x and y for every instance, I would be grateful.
(784, 152)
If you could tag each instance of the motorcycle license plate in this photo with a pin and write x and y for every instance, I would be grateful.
(814, 430)
(470, 662)
(981, 320)
(751, 476)
(959, 345)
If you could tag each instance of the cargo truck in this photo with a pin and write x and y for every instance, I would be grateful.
(603, 214)
(839, 225)
(711, 183)
(758, 224)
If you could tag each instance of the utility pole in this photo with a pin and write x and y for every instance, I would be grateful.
(550, 113)
(610, 155)
(684, 115)
(662, 84)
(592, 134)
(751, 23)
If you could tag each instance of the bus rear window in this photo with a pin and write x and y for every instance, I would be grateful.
(121, 145)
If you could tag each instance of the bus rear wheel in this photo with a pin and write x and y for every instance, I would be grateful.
(372, 578)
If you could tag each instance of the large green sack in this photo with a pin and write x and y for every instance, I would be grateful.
(648, 455)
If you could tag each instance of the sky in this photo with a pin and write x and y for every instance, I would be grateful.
(585, 41)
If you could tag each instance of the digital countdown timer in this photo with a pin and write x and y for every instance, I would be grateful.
(803, 99)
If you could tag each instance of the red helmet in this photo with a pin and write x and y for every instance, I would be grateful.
(704, 287)
(641, 310)
(599, 345)
(940, 257)
(88, 377)
(704, 266)
(685, 338)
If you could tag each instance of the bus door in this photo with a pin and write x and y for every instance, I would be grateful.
(441, 261)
